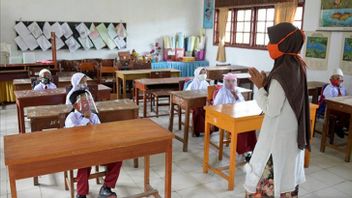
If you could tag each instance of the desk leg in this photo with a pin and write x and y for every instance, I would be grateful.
(146, 173)
(171, 118)
(21, 123)
(118, 93)
(124, 95)
(349, 142)
(206, 146)
(179, 110)
(232, 169)
(325, 129)
(12, 184)
(185, 135)
(168, 170)
(144, 104)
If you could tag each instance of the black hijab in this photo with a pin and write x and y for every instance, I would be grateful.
(290, 72)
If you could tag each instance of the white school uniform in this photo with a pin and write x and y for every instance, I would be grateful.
(224, 96)
(331, 91)
(278, 138)
(41, 86)
(77, 119)
(196, 83)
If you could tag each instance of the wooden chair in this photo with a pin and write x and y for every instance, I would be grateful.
(107, 76)
(88, 68)
(157, 94)
(211, 92)
(124, 58)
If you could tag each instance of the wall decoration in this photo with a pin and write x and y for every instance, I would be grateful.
(208, 17)
(336, 15)
(317, 50)
(346, 54)
(36, 35)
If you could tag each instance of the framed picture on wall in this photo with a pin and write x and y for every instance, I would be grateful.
(316, 51)
(336, 15)
(208, 16)
(346, 54)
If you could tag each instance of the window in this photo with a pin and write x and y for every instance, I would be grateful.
(247, 27)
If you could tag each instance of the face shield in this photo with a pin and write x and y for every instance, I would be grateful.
(86, 104)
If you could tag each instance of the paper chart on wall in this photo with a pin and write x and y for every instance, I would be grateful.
(47, 30)
(82, 30)
(317, 50)
(30, 41)
(66, 30)
(346, 54)
(20, 43)
(72, 44)
(86, 43)
(59, 43)
(121, 30)
(43, 43)
(112, 31)
(105, 36)
(56, 27)
(35, 30)
(120, 43)
(95, 37)
(21, 29)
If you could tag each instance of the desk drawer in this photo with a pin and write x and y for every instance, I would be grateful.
(339, 107)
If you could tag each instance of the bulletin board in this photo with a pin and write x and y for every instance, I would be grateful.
(33, 35)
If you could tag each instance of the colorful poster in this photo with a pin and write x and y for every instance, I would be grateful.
(208, 16)
(101, 28)
(336, 15)
(317, 50)
(346, 54)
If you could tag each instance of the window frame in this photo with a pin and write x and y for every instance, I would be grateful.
(252, 39)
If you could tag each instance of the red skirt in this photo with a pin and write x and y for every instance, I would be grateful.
(245, 141)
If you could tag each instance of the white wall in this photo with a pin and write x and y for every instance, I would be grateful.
(261, 59)
(147, 20)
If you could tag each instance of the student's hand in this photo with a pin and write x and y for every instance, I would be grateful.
(87, 114)
(258, 78)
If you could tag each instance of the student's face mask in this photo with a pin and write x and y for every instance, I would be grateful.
(45, 80)
(202, 77)
(86, 104)
(83, 86)
(336, 82)
(274, 50)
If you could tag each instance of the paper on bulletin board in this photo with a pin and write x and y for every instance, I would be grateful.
(83, 30)
(95, 37)
(346, 53)
(30, 41)
(121, 30)
(43, 43)
(47, 30)
(86, 43)
(20, 43)
(316, 50)
(21, 29)
(59, 43)
(112, 31)
(66, 30)
(120, 43)
(56, 27)
(72, 44)
(35, 30)
(105, 36)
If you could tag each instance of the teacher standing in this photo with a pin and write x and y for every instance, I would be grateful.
(276, 168)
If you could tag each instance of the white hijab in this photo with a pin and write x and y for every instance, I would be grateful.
(196, 83)
(75, 80)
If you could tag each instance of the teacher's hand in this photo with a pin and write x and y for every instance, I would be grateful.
(258, 78)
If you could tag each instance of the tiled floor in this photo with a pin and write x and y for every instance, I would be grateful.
(328, 175)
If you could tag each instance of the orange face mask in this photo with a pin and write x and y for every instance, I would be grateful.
(274, 50)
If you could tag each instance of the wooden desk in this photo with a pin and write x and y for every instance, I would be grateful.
(216, 73)
(104, 92)
(341, 104)
(40, 153)
(314, 90)
(9, 75)
(26, 66)
(189, 100)
(147, 84)
(125, 75)
(236, 118)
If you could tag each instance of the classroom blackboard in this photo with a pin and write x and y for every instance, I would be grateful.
(72, 25)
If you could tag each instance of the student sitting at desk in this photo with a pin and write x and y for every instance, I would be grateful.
(228, 94)
(335, 89)
(199, 82)
(78, 82)
(83, 116)
(44, 81)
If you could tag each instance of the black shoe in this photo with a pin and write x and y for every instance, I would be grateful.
(106, 192)
(81, 196)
